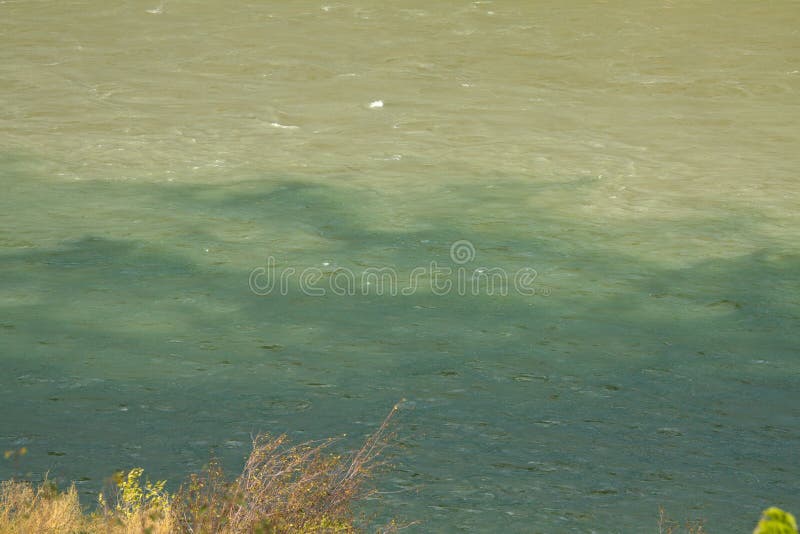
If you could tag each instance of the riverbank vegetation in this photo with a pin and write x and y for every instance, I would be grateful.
(282, 488)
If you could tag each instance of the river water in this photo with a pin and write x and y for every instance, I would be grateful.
(637, 162)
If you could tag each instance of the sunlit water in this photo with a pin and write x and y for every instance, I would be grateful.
(641, 159)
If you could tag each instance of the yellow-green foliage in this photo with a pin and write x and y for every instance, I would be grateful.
(132, 498)
(15, 454)
(776, 521)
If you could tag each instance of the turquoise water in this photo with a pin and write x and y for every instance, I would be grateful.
(641, 161)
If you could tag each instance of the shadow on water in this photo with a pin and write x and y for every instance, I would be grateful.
(630, 385)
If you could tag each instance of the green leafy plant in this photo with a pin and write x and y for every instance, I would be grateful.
(776, 521)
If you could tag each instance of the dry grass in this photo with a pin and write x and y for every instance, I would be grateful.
(25, 509)
(282, 488)
(668, 526)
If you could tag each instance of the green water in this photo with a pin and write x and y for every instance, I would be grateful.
(642, 159)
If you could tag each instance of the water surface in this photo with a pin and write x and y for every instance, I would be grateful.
(642, 159)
